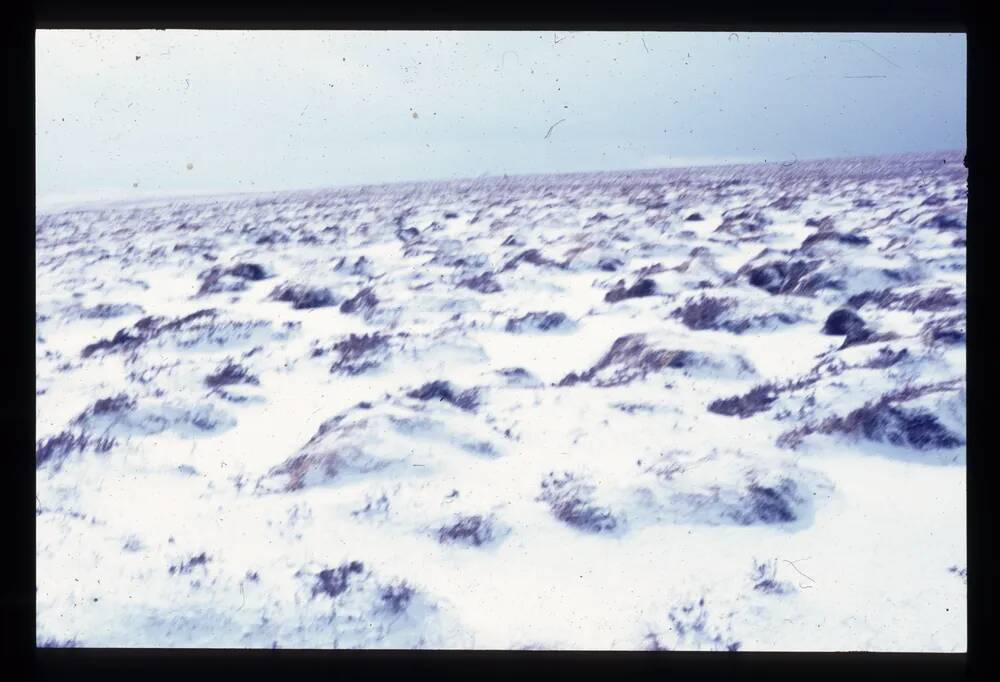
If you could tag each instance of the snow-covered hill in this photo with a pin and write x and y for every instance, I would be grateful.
(712, 408)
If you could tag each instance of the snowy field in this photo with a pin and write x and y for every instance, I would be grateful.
(708, 409)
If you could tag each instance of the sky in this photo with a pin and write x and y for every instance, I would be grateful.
(123, 114)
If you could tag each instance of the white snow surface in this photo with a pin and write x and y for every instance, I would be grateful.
(518, 434)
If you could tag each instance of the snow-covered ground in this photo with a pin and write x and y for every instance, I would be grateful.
(712, 408)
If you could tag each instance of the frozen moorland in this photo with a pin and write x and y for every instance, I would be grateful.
(711, 408)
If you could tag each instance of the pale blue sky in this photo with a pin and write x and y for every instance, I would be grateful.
(272, 110)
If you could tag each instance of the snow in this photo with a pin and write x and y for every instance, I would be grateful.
(310, 502)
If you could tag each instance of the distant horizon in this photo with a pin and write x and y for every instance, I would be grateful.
(55, 204)
(131, 113)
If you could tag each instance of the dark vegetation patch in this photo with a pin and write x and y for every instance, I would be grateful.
(816, 282)
(748, 503)
(362, 266)
(298, 467)
(778, 277)
(642, 288)
(944, 330)
(273, 237)
(945, 221)
(758, 399)
(442, 390)
(328, 425)
(840, 237)
(359, 353)
(229, 374)
(764, 578)
(396, 597)
(864, 335)
(407, 234)
(842, 322)
(107, 406)
(883, 420)
(905, 428)
(824, 223)
(216, 283)
(609, 264)
(334, 581)
(533, 256)
(218, 279)
(690, 629)
(766, 504)
(467, 530)
(570, 500)
(514, 373)
(704, 312)
(142, 331)
(887, 358)
(484, 283)
(112, 405)
(376, 507)
(363, 302)
(935, 301)
(743, 220)
(632, 359)
(205, 421)
(56, 449)
(303, 297)
(132, 544)
(656, 268)
(787, 202)
(104, 311)
(250, 271)
(905, 275)
(189, 565)
(667, 467)
(539, 321)
(103, 443)
(519, 376)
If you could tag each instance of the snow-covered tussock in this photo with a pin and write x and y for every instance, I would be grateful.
(473, 414)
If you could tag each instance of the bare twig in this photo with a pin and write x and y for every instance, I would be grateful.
(553, 127)
(792, 564)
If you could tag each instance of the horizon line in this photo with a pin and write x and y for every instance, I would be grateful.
(46, 204)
